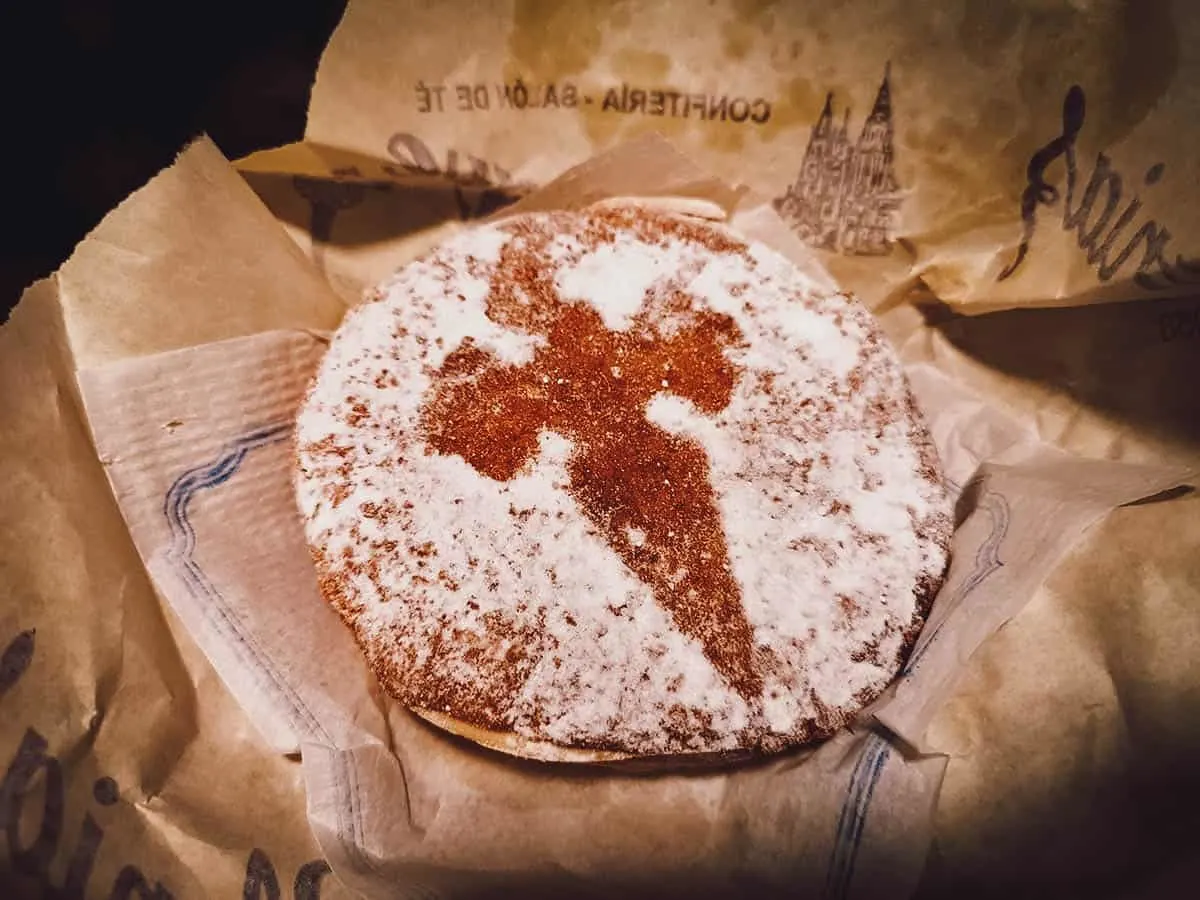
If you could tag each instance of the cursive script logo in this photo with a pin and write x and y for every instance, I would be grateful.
(646, 490)
(480, 187)
(30, 861)
(1093, 214)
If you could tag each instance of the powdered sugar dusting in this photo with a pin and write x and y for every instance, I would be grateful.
(614, 278)
(499, 601)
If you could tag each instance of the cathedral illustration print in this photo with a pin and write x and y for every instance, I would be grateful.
(846, 198)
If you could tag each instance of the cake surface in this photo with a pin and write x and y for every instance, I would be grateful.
(619, 480)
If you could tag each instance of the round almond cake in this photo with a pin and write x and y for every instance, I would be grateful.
(619, 483)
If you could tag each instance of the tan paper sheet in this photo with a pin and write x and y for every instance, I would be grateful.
(1072, 731)
(127, 764)
(940, 116)
(196, 443)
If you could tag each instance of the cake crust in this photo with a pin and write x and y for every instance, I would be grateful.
(619, 483)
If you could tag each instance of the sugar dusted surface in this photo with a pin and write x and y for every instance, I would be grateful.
(505, 601)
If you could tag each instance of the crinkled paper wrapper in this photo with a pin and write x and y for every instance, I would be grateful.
(899, 140)
(167, 651)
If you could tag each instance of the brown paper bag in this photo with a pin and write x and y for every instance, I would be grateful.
(195, 444)
(1072, 730)
(126, 767)
(1013, 154)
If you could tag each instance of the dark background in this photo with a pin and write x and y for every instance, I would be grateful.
(99, 95)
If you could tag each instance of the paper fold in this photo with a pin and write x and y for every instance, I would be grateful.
(887, 136)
